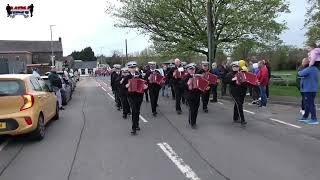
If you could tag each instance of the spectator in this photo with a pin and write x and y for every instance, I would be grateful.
(35, 73)
(304, 64)
(223, 72)
(309, 88)
(255, 89)
(267, 63)
(56, 85)
(314, 55)
(263, 79)
(165, 87)
(215, 71)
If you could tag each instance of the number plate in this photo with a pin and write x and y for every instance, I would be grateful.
(3, 125)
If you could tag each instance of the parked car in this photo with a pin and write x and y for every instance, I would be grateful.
(67, 79)
(66, 93)
(26, 105)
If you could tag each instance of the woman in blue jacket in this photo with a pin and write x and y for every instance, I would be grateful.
(309, 88)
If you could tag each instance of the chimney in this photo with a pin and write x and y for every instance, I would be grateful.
(59, 39)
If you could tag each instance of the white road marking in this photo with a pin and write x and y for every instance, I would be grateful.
(3, 145)
(250, 112)
(220, 103)
(143, 119)
(182, 166)
(282, 122)
(110, 88)
(105, 83)
(111, 96)
(104, 89)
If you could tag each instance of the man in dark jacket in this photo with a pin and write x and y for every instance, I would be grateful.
(115, 83)
(205, 95)
(123, 92)
(238, 93)
(176, 82)
(56, 85)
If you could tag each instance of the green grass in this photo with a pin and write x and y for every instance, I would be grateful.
(284, 91)
(292, 77)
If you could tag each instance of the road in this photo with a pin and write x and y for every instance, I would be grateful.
(91, 141)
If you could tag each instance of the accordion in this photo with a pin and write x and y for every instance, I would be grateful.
(156, 78)
(179, 73)
(136, 85)
(246, 77)
(199, 83)
(213, 79)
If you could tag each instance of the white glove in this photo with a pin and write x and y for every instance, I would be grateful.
(234, 79)
(145, 86)
(127, 85)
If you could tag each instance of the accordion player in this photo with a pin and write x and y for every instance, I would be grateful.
(156, 78)
(179, 73)
(213, 79)
(136, 85)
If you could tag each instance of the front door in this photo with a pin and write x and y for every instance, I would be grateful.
(4, 66)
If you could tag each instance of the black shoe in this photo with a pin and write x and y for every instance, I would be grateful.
(124, 116)
(138, 129)
(119, 108)
(62, 108)
(194, 126)
(236, 121)
(205, 110)
(179, 112)
(243, 123)
(134, 132)
(213, 100)
(154, 114)
(129, 113)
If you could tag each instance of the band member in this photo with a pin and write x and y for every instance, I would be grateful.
(154, 88)
(183, 99)
(169, 78)
(238, 93)
(206, 95)
(123, 92)
(135, 99)
(192, 95)
(115, 83)
(145, 70)
(176, 83)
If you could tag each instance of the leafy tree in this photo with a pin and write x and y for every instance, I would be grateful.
(312, 21)
(181, 25)
(85, 54)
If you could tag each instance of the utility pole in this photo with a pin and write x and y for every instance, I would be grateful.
(52, 57)
(127, 50)
(210, 25)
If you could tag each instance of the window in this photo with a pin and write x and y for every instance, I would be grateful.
(35, 84)
(44, 86)
(11, 88)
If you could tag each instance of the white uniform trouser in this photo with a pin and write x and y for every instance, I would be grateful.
(58, 94)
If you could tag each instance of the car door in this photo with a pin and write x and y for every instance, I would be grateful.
(51, 99)
(40, 96)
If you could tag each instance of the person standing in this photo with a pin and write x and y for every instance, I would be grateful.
(314, 55)
(35, 73)
(146, 92)
(309, 88)
(176, 82)
(165, 87)
(304, 64)
(255, 89)
(169, 79)
(123, 92)
(56, 85)
(223, 72)
(8, 8)
(154, 88)
(135, 99)
(263, 80)
(267, 63)
(205, 95)
(238, 93)
(192, 95)
(215, 71)
(31, 9)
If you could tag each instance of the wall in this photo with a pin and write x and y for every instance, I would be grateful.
(16, 63)
(40, 58)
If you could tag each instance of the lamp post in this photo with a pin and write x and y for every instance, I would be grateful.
(52, 57)
(210, 28)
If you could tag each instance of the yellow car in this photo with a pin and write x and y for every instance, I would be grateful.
(26, 105)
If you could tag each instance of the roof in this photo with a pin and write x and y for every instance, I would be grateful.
(15, 52)
(85, 64)
(31, 46)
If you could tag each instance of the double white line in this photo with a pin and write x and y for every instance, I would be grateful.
(3, 145)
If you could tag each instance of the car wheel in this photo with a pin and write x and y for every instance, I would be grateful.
(39, 132)
(57, 116)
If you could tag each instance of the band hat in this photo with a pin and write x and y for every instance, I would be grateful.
(191, 66)
(117, 66)
(152, 63)
(132, 64)
(184, 63)
(125, 69)
(235, 64)
(205, 63)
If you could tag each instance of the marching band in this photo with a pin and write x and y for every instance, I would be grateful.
(189, 83)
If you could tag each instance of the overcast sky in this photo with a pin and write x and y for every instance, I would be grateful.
(83, 23)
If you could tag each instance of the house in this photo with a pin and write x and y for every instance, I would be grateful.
(64, 62)
(85, 67)
(14, 62)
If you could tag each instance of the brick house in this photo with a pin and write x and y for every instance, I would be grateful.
(40, 51)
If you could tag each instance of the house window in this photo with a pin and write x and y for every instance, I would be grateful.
(17, 58)
(36, 58)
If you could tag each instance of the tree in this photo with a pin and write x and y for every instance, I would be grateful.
(85, 54)
(312, 22)
(180, 25)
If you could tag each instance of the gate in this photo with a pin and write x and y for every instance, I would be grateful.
(4, 66)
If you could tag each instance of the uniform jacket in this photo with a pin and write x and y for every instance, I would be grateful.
(235, 90)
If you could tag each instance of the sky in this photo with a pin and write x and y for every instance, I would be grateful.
(82, 23)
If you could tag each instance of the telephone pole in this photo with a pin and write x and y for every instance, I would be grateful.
(127, 51)
(210, 25)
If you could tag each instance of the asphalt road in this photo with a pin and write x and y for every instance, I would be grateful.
(91, 141)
